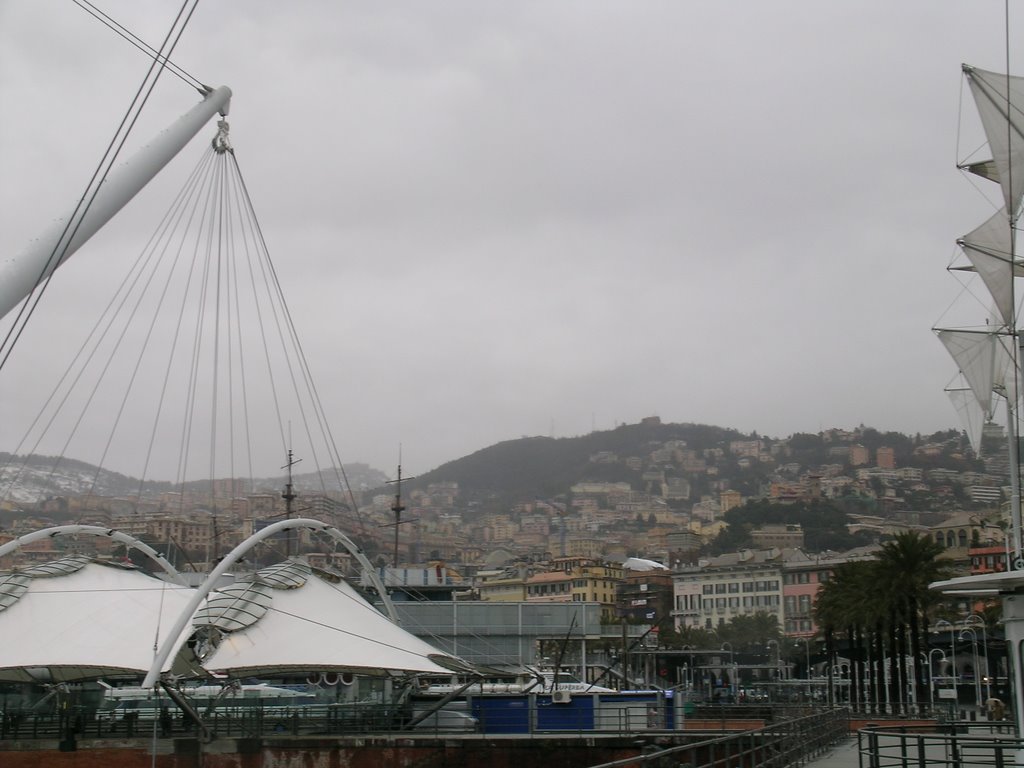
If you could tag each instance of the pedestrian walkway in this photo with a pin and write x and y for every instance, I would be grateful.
(842, 755)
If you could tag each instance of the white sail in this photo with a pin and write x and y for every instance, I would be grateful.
(1004, 128)
(971, 415)
(986, 363)
(986, 169)
(988, 249)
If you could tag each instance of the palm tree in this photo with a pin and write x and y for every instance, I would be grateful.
(908, 564)
(846, 605)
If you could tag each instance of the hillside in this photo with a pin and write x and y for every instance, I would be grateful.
(532, 467)
(27, 480)
(541, 467)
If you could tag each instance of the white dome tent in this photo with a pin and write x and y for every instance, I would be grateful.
(76, 619)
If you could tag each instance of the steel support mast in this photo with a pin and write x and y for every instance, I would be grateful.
(20, 275)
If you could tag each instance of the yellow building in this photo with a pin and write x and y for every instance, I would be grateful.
(504, 586)
(729, 499)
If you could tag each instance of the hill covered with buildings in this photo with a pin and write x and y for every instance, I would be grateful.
(646, 489)
(651, 489)
(723, 525)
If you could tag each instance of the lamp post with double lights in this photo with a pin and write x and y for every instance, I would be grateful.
(941, 625)
(971, 621)
(974, 649)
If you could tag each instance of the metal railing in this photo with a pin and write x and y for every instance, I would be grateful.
(249, 722)
(786, 743)
(946, 745)
(537, 716)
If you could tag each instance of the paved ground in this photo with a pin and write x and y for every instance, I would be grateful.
(843, 755)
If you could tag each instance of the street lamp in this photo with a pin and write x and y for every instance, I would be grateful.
(974, 648)
(942, 624)
(688, 668)
(807, 656)
(931, 675)
(778, 661)
(732, 669)
(807, 661)
(984, 644)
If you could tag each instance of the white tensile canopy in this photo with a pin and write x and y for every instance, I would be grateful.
(319, 625)
(75, 619)
(78, 620)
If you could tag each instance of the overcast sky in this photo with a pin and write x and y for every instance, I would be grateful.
(496, 219)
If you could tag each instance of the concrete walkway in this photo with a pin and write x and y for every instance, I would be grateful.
(842, 755)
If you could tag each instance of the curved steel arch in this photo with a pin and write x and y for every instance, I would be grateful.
(169, 646)
(95, 530)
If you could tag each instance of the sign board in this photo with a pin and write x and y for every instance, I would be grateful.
(947, 693)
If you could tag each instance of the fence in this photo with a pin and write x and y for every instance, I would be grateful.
(787, 743)
(492, 715)
(947, 745)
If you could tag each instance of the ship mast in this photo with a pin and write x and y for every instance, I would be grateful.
(289, 496)
(398, 508)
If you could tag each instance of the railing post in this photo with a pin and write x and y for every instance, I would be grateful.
(873, 757)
